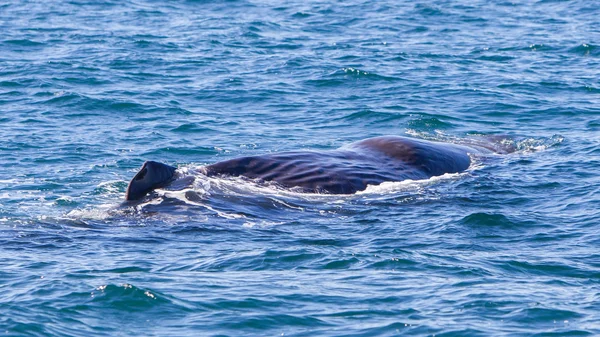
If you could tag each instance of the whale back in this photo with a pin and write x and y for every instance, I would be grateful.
(342, 171)
(151, 175)
(433, 158)
(351, 168)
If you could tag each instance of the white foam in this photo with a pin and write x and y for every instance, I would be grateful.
(252, 224)
(184, 196)
(390, 187)
(110, 186)
(100, 213)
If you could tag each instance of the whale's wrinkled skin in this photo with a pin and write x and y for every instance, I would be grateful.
(345, 170)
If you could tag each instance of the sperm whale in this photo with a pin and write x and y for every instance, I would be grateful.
(345, 170)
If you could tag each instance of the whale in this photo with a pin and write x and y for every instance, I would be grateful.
(345, 170)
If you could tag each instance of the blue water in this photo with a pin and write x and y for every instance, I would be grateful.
(91, 89)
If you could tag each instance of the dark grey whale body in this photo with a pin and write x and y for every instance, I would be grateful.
(342, 171)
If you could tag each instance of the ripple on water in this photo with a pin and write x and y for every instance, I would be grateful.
(559, 269)
(126, 298)
(585, 49)
(350, 76)
(430, 123)
(24, 43)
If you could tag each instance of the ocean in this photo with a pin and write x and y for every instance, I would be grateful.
(89, 90)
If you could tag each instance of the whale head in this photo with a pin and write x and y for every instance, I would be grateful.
(151, 175)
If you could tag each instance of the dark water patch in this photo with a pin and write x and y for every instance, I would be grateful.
(301, 15)
(460, 332)
(400, 58)
(206, 230)
(34, 121)
(292, 258)
(255, 261)
(123, 270)
(21, 328)
(378, 116)
(548, 315)
(428, 123)
(191, 151)
(541, 47)
(24, 43)
(247, 303)
(341, 264)
(357, 73)
(387, 327)
(589, 88)
(395, 264)
(549, 268)
(253, 34)
(63, 98)
(17, 96)
(85, 80)
(333, 242)
(10, 84)
(436, 56)
(360, 314)
(565, 332)
(496, 58)
(126, 298)
(565, 111)
(147, 36)
(526, 48)
(46, 94)
(297, 62)
(81, 102)
(428, 11)
(492, 220)
(498, 109)
(276, 321)
(192, 128)
(585, 49)
(594, 125)
(341, 77)
(416, 30)
(280, 46)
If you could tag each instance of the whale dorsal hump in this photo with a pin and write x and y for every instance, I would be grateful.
(151, 175)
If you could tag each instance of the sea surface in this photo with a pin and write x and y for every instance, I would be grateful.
(89, 90)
